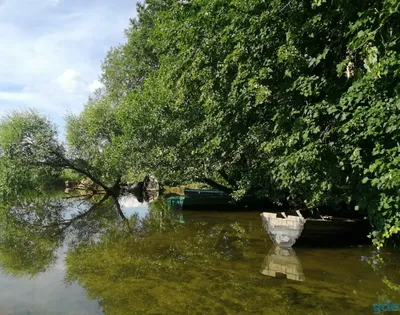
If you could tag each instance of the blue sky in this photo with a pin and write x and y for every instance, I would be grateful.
(51, 51)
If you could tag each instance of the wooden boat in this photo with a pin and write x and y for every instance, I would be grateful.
(287, 230)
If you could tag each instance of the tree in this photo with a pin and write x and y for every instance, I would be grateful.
(294, 101)
(127, 66)
(29, 150)
(30, 145)
(93, 137)
(31, 154)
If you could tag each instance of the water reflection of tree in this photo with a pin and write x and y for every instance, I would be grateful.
(170, 267)
(385, 265)
(31, 231)
(162, 265)
(130, 265)
(154, 264)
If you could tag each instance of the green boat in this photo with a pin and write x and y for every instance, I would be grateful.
(207, 193)
(212, 199)
(196, 199)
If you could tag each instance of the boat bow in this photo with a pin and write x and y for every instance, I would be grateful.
(283, 231)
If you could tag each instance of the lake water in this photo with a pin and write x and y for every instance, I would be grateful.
(157, 262)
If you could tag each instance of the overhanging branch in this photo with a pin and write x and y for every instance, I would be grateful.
(215, 185)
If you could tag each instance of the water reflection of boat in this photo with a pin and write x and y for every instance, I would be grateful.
(283, 261)
(176, 215)
(286, 230)
(174, 211)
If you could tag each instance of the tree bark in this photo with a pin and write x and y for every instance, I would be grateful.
(215, 185)
(119, 210)
(229, 180)
(69, 164)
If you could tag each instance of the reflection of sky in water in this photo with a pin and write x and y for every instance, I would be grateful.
(74, 207)
(44, 294)
(130, 205)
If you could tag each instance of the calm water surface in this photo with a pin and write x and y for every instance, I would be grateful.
(76, 256)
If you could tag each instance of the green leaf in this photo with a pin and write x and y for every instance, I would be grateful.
(365, 180)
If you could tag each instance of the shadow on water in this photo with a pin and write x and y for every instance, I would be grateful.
(121, 256)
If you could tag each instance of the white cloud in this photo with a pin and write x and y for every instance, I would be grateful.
(71, 81)
(54, 2)
(95, 85)
(16, 97)
(51, 51)
(129, 201)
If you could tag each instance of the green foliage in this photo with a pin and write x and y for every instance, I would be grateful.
(32, 158)
(70, 175)
(93, 139)
(127, 66)
(29, 236)
(120, 265)
(33, 229)
(27, 146)
(294, 101)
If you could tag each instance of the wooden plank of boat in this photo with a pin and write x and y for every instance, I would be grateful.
(335, 231)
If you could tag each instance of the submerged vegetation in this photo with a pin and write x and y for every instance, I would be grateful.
(211, 264)
(294, 101)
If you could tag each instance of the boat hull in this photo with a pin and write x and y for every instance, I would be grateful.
(334, 233)
(215, 200)
(298, 231)
(206, 193)
(283, 231)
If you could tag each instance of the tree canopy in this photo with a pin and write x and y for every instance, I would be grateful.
(295, 101)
